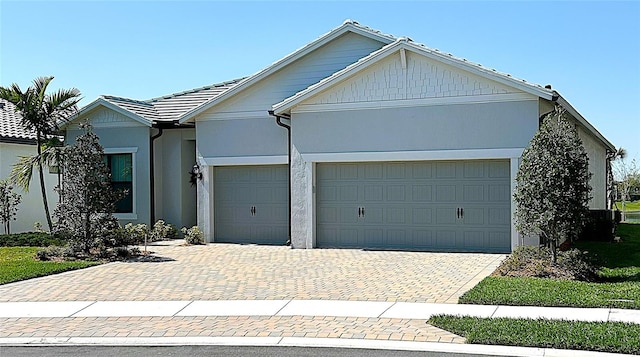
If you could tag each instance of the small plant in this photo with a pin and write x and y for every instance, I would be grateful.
(55, 252)
(9, 202)
(193, 235)
(162, 231)
(137, 232)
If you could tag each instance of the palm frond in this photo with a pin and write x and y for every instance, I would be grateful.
(22, 171)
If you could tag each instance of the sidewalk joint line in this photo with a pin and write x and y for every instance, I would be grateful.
(184, 307)
(282, 308)
(84, 308)
(387, 309)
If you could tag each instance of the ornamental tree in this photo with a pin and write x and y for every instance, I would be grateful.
(552, 184)
(9, 202)
(85, 211)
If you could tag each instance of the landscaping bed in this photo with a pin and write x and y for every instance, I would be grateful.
(617, 337)
(617, 283)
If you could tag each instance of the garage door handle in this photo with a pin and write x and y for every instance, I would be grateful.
(461, 212)
(253, 210)
(458, 213)
(359, 211)
(362, 211)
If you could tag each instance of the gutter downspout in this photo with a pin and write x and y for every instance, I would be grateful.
(152, 180)
(288, 127)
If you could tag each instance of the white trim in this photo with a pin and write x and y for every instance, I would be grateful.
(246, 160)
(287, 104)
(105, 103)
(133, 215)
(124, 150)
(126, 216)
(423, 102)
(254, 114)
(470, 154)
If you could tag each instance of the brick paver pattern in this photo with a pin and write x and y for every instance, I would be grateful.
(245, 272)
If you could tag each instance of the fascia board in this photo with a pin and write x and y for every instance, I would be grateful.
(278, 65)
(287, 104)
(565, 104)
(102, 102)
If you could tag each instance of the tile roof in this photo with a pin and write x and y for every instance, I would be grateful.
(10, 124)
(170, 107)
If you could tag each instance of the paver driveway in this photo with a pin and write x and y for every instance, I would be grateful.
(228, 272)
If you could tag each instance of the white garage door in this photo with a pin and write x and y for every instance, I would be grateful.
(437, 205)
(251, 204)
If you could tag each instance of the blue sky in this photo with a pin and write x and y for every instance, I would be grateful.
(589, 51)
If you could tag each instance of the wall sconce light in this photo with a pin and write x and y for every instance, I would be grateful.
(195, 174)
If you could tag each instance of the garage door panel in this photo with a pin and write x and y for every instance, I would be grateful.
(445, 193)
(422, 193)
(251, 204)
(374, 193)
(415, 205)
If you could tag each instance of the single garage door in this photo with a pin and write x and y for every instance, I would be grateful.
(459, 206)
(251, 204)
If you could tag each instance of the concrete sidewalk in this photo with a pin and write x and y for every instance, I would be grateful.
(306, 323)
(311, 308)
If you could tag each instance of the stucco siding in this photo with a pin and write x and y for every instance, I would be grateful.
(122, 140)
(241, 137)
(297, 76)
(174, 158)
(442, 127)
(419, 78)
(31, 208)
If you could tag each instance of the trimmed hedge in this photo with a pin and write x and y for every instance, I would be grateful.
(30, 239)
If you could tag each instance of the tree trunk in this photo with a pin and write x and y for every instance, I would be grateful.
(43, 189)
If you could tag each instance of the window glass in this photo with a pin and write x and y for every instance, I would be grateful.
(122, 179)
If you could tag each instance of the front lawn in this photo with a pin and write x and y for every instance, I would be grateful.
(18, 263)
(614, 337)
(629, 206)
(619, 286)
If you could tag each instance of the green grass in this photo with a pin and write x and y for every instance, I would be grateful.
(629, 206)
(18, 263)
(614, 337)
(29, 239)
(620, 286)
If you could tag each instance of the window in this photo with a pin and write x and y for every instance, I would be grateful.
(121, 179)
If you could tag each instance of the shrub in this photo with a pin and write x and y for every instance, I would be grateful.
(30, 239)
(162, 230)
(533, 261)
(136, 232)
(193, 235)
(55, 252)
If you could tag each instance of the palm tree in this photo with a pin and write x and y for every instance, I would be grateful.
(41, 113)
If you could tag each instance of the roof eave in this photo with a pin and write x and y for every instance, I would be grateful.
(287, 104)
(105, 103)
(565, 104)
(322, 40)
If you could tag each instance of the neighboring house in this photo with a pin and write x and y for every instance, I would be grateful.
(14, 143)
(393, 146)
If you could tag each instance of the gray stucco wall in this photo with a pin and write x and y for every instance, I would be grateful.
(443, 127)
(128, 137)
(241, 137)
(174, 158)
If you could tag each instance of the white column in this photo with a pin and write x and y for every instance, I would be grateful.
(205, 200)
(301, 201)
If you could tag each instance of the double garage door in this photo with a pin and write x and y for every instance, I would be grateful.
(437, 205)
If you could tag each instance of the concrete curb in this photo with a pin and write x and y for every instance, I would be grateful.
(448, 348)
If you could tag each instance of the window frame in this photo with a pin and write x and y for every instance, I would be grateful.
(133, 215)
